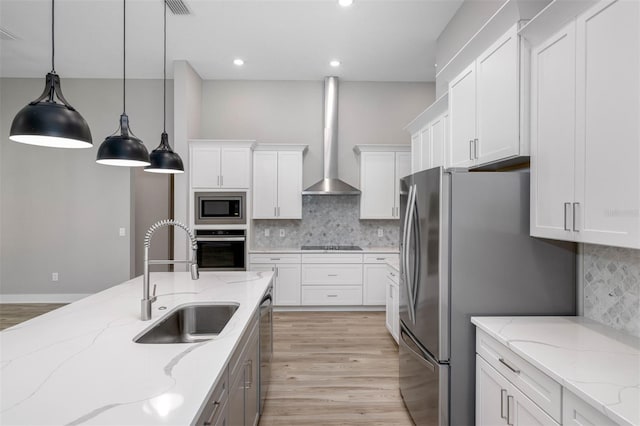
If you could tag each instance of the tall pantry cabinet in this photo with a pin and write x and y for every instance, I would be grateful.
(585, 128)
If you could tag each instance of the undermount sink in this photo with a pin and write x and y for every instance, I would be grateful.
(190, 324)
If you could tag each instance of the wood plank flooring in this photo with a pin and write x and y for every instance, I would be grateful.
(329, 368)
(15, 313)
(338, 368)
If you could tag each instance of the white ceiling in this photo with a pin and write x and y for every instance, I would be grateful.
(383, 40)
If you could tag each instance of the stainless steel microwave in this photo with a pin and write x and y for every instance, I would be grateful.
(220, 208)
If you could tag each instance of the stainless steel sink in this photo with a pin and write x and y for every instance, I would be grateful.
(189, 324)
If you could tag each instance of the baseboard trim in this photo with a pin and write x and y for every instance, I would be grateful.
(329, 308)
(42, 298)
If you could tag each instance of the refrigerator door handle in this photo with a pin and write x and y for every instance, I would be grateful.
(415, 225)
(405, 255)
(408, 343)
(410, 283)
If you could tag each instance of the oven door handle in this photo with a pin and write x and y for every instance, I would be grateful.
(208, 239)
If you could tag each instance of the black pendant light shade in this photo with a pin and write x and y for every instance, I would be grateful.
(163, 159)
(123, 149)
(44, 121)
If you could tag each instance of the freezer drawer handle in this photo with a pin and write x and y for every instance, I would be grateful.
(515, 370)
(416, 354)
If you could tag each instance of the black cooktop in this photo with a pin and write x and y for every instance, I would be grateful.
(346, 248)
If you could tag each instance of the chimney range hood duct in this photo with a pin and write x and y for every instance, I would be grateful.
(330, 184)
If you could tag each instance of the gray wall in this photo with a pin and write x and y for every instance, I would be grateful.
(469, 18)
(60, 211)
(291, 112)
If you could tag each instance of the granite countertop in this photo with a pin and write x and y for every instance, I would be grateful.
(79, 365)
(597, 363)
(393, 250)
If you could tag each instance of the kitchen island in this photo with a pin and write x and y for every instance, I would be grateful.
(80, 365)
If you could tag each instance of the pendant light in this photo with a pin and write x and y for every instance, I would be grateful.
(45, 122)
(123, 148)
(163, 159)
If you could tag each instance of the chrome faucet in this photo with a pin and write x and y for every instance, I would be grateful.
(147, 300)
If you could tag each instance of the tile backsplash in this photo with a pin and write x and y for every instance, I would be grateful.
(612, 287)
(326, 220)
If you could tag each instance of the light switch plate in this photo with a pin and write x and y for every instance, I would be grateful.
(267, 232)
(282, 232)
(380, 232)
(123, 232)
(54, 276)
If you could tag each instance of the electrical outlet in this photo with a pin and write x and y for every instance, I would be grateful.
(123, 232)
(282, 233)
(380, 232)
(54, 276)
(267, 232)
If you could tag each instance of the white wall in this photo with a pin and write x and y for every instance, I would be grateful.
(60, 211)
(292, 112)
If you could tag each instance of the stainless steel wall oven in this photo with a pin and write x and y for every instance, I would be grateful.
(221, 249)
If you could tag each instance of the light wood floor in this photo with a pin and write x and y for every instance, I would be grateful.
(15, 313)
(338, 368)
(333, 369)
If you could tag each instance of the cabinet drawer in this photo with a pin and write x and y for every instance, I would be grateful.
(332, 274)
(577, 412)
(272, 258)
(380, 257)
(216, 402)
(331, 295)
(392, 276)
(332, 258)
(540, 388)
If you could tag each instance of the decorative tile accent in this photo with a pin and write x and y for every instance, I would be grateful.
(326, 220)
(612, 287)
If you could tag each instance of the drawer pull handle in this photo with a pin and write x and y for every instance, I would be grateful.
(209, 422)
(503, 406)
(381, 258)
(515, 370)
(332, 275)
(332, 295)
(275, 258)
(510, 410)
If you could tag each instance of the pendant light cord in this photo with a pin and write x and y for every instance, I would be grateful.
(124, 56)
(53, 44)
(164, 83)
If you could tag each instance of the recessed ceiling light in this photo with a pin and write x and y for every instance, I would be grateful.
(239, 62)
(345, 3)
(334, 63)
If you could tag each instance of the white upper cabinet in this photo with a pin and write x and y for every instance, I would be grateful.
(381, 168)
(438, 131)
(553, 135)
(416, 152)
(218, 164)
(484, 107)
(429, 136)
(585, 128)
(277, 181)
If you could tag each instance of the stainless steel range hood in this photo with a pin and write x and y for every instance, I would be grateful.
(330, 184)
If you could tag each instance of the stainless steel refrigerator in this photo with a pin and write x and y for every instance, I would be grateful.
(465, 251)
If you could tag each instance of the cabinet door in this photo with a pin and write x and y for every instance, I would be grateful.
(290, 185)
(553, 135)
(497, 100)
(235, 410)
(205, 167)
(524, 412)
(492, 391)
(438, 129)
(265, 184)
(608, 124)
(377, 182)
(402, 169)
(425, 150)
(287, 285)
(375, 281)
(395, 316)
(389, 304)
(462, 118)
(252, 384)
(416, 152)
(234, 167)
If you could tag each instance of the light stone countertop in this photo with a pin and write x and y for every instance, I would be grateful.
(395, 264)
(79, 365)
(393, 250)
(595, 362)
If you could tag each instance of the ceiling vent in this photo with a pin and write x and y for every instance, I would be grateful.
(6, 35)
(178, 7)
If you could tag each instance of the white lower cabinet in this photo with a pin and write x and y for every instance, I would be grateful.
(512, 391)
(392, 303)
(374, 286)
(332, 282)
(286, 280)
